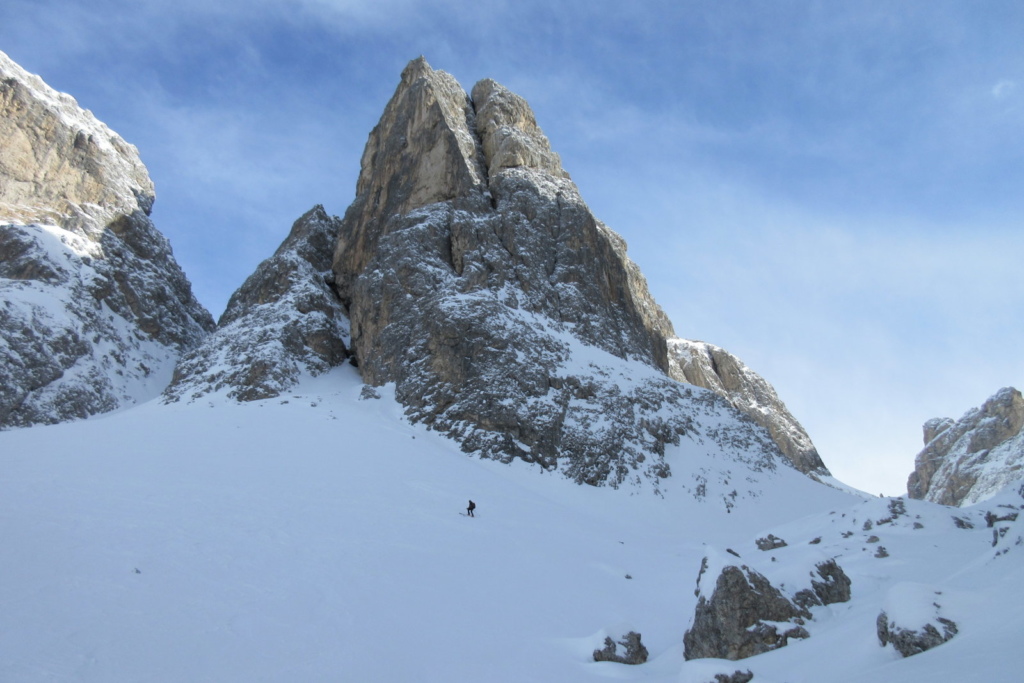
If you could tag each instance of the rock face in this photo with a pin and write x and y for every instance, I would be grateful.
(479, 283)
(283, 322)
(971, 459)
(714, 368)
(95, 309)
(60, 165)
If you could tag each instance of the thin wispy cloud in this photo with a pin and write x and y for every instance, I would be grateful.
(1004, 89)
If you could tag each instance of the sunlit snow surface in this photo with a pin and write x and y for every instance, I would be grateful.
(318, 537)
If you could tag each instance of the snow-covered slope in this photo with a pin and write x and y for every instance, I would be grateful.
(317, 536)
(973, 458)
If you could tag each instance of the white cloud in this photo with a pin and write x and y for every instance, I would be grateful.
(1003, 89)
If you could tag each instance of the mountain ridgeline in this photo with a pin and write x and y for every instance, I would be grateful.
(469, 272)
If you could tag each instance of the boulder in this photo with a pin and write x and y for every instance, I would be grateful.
(743, 616)
(912, 619)
(912, 641)
(830, 586)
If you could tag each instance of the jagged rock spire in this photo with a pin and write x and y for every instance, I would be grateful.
(476, 278)
(422, 151)
(283, 322)
(508, 131)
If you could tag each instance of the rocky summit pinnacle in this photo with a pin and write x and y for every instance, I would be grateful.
(480, 284)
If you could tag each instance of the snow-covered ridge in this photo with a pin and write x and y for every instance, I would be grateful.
(709, 366)
(284, 323)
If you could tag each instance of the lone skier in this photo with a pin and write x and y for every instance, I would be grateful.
(469, 510)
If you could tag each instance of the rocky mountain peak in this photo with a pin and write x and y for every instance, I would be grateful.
(474, 273)
(971, 459)
(284, 321)
(476, 280)
(96, 310)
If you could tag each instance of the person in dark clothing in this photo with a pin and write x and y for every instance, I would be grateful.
(469, 510)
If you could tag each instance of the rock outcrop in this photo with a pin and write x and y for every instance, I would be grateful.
(742, 614)
(909, 642)
(633, 650)
(830, 586)
(913, 620)
(284, 322)
(735, 677)
(706, 365)
(971, 459)
(479, 283)
(95, 309)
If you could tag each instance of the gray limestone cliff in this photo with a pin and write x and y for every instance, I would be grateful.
(283, 322)
(95, 308)
(971, 459)
(480, 284)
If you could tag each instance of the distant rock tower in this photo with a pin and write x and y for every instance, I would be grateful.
(971, 459)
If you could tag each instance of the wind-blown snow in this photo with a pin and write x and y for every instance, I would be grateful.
(318, 537)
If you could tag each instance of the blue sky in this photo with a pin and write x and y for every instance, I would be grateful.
(831, 191)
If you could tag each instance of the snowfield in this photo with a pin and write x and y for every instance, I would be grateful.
(319, 536)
